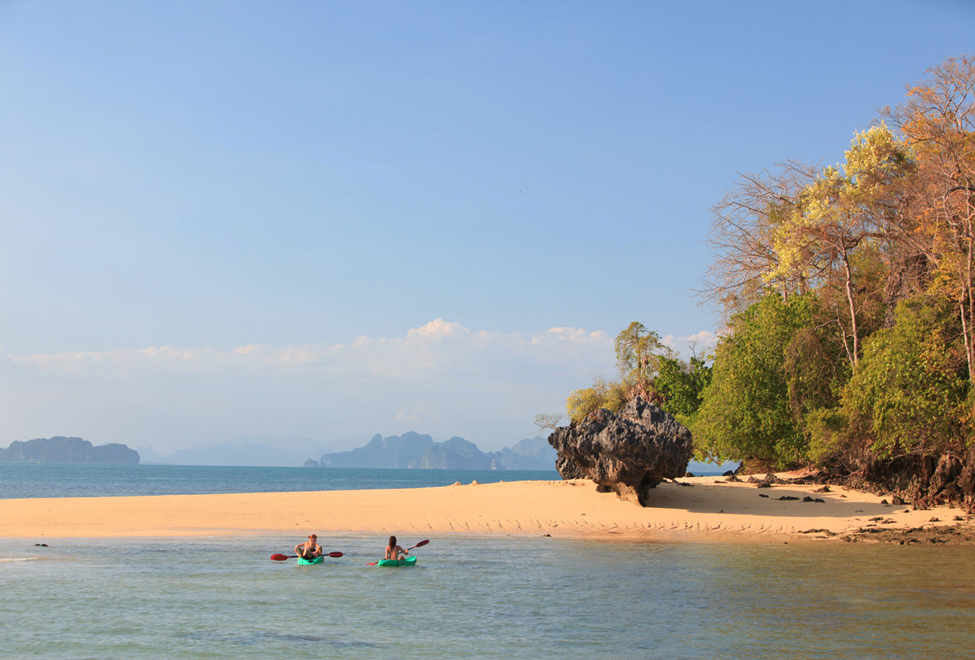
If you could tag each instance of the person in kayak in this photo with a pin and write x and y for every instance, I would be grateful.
(393, 551)
(309, 549)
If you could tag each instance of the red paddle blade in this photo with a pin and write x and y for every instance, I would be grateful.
(280, 557)
(372, 563)
(421, 544)
(335, 554)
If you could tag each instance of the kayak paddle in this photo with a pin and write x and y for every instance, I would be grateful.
(283, 557)
(418, 545)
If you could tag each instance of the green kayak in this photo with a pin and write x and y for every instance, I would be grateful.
(308, 562)
(409, 561)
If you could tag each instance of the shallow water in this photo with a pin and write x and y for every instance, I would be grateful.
(21, 480)
(477, 597)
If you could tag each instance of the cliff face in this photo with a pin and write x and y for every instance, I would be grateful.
(412, 450)
(393, 452)
(67, 450)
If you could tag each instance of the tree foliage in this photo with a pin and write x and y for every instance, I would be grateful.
(850, 295)
(746, 411)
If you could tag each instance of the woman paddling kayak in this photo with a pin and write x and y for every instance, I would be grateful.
(393, 551)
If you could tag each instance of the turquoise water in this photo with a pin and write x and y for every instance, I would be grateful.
(469, 597)
(475, 597)
(20, 480)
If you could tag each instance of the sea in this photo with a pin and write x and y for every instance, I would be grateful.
(467, 597)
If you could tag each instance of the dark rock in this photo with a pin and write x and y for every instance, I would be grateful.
(628, 453)
(824, 489)
(786, 498)
(688, 475)
(762, 495)
(729, 473)
(311, 462)
(813, 499)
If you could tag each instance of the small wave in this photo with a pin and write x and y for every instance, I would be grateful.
(3, 559)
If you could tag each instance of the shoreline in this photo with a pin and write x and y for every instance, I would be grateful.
(693, 509)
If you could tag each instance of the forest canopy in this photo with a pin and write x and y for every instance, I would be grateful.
(847, 293)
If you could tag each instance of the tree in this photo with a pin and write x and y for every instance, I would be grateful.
(682, 384)
(938, 122)
(909, 396)
(745, 414)
(602, 394)
(838, 216)
(639, 353)
(741, 236)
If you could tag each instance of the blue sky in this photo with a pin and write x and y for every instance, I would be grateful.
(316, 221)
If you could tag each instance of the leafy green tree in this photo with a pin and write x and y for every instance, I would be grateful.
(682, 385)
(639, 353)
(909, 395)
(745, 414)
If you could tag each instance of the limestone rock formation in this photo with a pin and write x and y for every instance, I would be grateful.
(627, 453)
(67, 450)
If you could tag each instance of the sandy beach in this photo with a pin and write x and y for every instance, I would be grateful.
(696, 509)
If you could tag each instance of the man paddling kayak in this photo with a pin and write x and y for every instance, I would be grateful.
(309, 549)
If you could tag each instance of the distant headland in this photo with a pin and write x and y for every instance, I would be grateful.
(415, 451)
(68, 450)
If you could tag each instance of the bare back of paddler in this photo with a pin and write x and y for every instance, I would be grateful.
(393, 551)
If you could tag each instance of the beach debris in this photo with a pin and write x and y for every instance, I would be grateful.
(762, 495)
(41, 545)
(787, 497)
(935, 519)
(766, 481)
(813, 499)
(824, 489)
(819, 531)
(732, 479)
(627, 453)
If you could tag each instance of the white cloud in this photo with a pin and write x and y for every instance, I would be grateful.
(700, 343)
(441, 378)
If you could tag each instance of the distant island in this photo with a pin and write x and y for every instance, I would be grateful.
(415, 451)
(67, 450)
